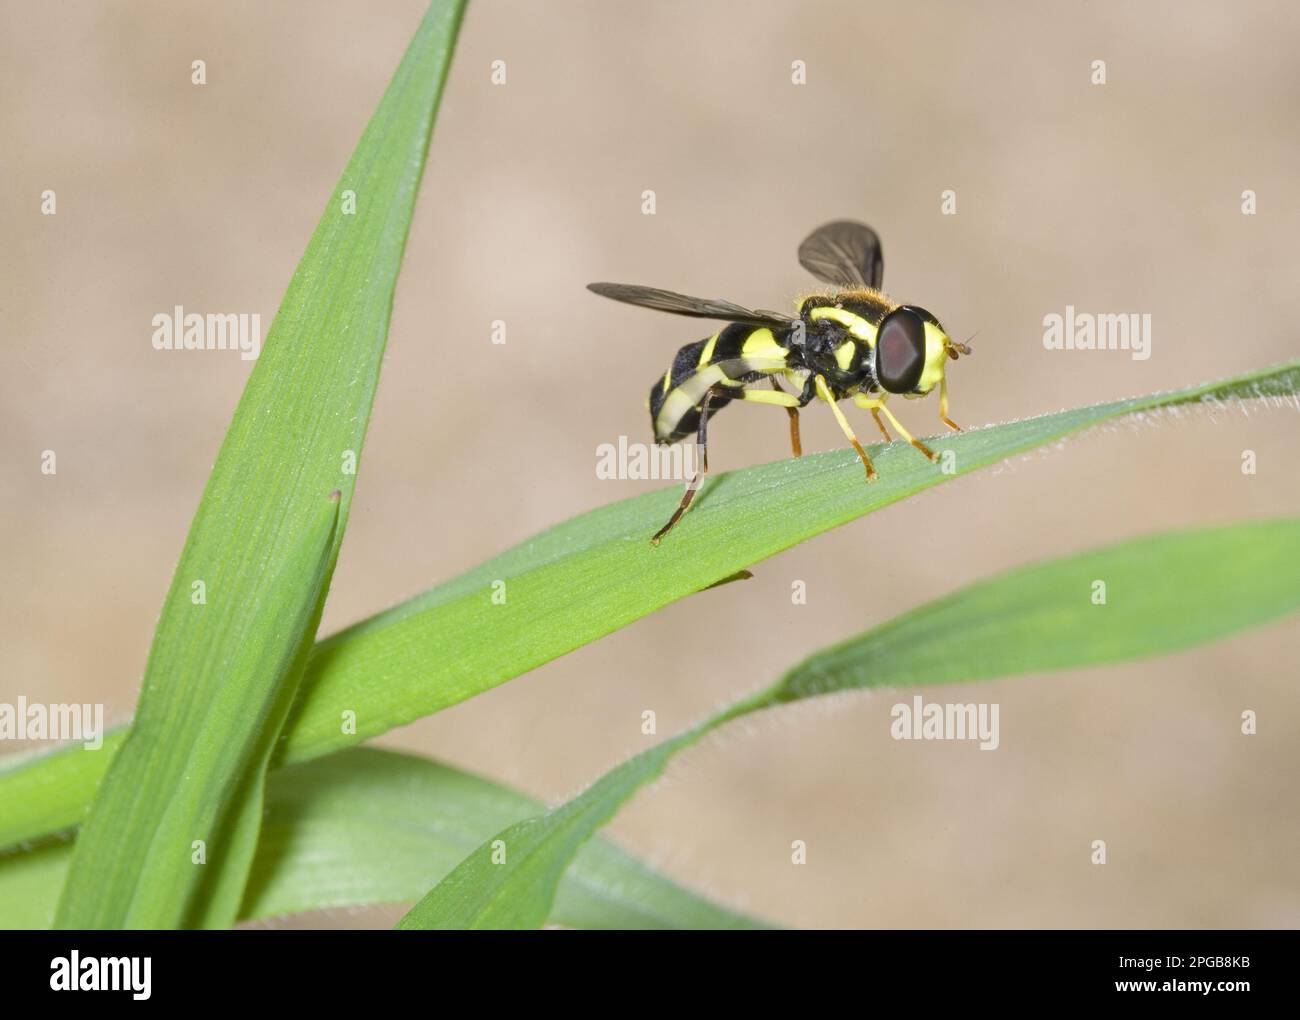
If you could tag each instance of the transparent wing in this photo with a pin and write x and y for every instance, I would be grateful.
(682, 304)
(844, 253)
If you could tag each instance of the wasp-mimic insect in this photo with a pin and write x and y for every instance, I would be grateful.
(852, 342)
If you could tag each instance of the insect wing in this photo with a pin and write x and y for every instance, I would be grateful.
(844, 253)
(682, 304)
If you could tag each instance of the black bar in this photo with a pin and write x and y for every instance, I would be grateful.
(336, 969)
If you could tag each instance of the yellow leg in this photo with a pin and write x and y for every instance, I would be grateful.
(825, 393)
(877, 404)
(943, 405)
(780, 399)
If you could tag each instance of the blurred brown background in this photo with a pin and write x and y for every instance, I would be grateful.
(1119, 198)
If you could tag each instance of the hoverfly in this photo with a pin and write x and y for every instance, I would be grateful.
(853, 342)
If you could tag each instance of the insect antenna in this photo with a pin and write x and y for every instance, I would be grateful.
(955, 349)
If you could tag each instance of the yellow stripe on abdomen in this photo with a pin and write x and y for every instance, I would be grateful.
(684, 398)
(762, 345)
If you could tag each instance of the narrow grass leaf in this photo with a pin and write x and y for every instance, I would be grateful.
(235, 629)
(367, 826)
(1162, 594)
(165, 882)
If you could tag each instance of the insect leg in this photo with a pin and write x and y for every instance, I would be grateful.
(943, 405)
(796, 447)
(825, 393)
(780, 399)
(702, 440)
(875, 413)
(875, 403)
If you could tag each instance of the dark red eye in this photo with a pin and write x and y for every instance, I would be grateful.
(900, 351)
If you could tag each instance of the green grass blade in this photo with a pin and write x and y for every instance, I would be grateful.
(368, 826)
(386, 821)
(510, 880)
(218, 899)
(137, 867)
(43, 792)
(30, 882)
(587, 577)
(218, 673)
(1163, 593)
(598, 572)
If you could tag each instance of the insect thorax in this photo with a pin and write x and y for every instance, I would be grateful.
(840, 335)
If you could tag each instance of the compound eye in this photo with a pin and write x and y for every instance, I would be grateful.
(900, 351)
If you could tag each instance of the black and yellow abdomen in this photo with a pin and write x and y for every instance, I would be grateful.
(734, 356)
